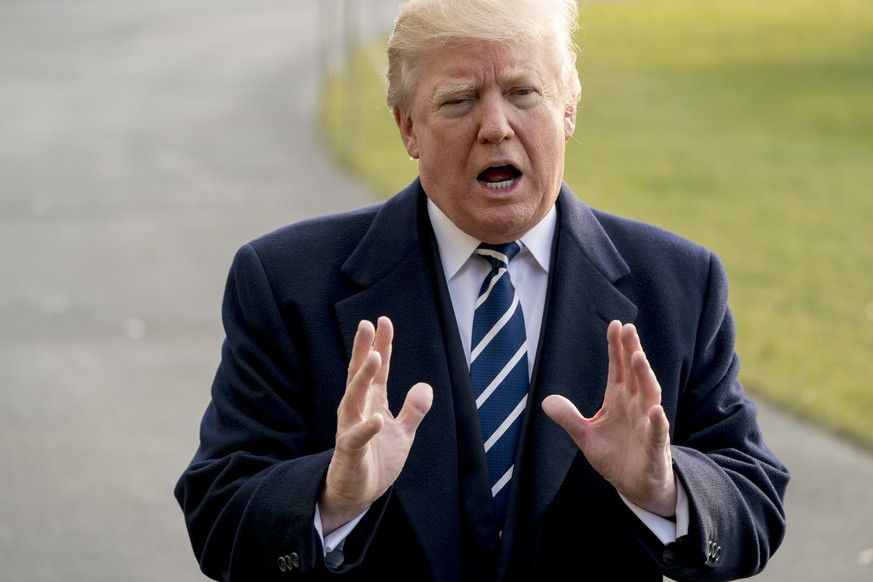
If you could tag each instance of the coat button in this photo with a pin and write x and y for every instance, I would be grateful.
(713, 551)
(289, 562)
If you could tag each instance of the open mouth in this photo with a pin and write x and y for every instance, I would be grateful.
(499, 177)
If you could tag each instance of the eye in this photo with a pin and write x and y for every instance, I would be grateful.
(456, 106)
(524, 96)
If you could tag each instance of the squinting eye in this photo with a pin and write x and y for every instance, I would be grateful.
(456, 107)
(525, 97)
(458, 98)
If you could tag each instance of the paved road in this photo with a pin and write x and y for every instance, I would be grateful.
(140, 144)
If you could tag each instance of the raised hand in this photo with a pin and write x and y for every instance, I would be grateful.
(627, 440)
(371, 443)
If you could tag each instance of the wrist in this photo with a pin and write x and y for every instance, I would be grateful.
(662, 502)
(336, 511)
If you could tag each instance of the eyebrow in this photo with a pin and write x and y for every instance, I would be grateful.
(452, 89)
(520, 75)
(511, 76)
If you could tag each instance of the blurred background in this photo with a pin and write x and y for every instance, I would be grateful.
(141, 143)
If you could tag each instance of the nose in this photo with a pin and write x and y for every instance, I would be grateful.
(494, 125)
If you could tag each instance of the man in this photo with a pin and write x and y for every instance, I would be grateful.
(366, 421)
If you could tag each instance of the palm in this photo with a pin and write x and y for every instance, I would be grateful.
(627, 441)
(385, 454)
(371, 443)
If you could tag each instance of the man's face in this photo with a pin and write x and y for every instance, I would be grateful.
(488, 124)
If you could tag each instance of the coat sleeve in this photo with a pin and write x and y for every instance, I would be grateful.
(735, 484)
(249, 494)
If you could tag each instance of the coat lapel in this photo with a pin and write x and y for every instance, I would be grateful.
(572, 358)
(395, 275)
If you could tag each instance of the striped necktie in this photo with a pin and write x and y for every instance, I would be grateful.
(499, 369)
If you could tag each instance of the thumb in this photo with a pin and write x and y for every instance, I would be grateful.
(417, 404)
(566, 415)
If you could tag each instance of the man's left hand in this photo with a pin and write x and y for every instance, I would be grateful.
(628, 439)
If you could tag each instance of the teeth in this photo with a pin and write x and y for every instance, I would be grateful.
(499, 185)
(502, 185)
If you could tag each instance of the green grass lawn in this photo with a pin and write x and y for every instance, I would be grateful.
(744, 125)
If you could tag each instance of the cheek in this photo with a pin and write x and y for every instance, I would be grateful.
(551, 144)
(445, 161)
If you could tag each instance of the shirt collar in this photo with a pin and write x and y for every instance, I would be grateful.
(456, 246)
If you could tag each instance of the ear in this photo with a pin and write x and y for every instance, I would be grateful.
(407, 132)
(569, 120)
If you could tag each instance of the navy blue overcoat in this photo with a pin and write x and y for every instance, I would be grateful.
(293, 300)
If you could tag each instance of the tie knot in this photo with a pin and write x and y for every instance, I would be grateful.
(499, 255)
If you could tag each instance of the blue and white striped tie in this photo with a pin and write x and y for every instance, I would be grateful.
(499, 369)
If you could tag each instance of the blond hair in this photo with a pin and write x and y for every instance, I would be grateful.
(423, 27)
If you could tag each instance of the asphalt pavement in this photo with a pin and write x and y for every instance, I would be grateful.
(141, 143)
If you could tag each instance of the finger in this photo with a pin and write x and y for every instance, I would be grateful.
(354, 403)
(615, 372)
(630, 339)
(382, 344)
(645, 379)
(567, 416)
(630, 344)
(417, 404)
(660, 426)
(361, 433)
(363, 343)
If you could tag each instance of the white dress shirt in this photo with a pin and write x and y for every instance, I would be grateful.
(465, 271)
(529, 272)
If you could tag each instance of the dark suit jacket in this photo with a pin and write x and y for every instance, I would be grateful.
(293, 301)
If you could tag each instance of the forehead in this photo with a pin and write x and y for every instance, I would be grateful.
(477, 62)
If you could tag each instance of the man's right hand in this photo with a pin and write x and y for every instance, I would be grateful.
(371, 443)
